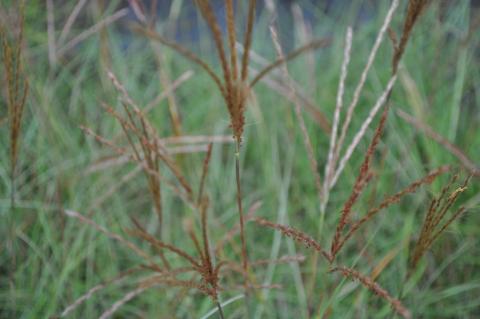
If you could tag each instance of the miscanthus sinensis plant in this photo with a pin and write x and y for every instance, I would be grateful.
(208, 270)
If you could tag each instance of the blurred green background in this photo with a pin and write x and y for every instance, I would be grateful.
(47, 260)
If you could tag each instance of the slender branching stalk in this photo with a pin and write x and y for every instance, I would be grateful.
(360, 183)
(371, 285)
(204, 173)
(240, 210)
(296, 235)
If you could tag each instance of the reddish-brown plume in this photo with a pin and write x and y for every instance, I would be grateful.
(390, 200)
(414, 10)
(371, 285)
(295, 234)
(434, 223)
(360, 183)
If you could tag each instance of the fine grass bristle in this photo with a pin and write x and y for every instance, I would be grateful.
(414, 9)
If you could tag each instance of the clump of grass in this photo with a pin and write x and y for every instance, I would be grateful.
(335, 164)
(202, 268)
(147, 150)
(234, 88)
(202, 265)
(205, 265)
(16, 91)
(414, 10)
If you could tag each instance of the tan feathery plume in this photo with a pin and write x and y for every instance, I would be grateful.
(432, 226)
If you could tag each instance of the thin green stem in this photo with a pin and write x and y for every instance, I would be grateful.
(316, 255)
(242, 228)
(12, 192)
(240, 209)
(220, 311)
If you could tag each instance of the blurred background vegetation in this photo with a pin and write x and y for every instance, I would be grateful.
(47, 260)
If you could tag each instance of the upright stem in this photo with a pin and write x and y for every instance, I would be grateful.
(242, 230)
(240, 210)
(316, 255)
(12, 192)
(220, 310)
(10, 240)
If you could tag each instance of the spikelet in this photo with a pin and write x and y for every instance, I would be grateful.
(434, 223)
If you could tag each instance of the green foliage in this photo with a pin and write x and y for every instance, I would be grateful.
(48, 260)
